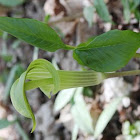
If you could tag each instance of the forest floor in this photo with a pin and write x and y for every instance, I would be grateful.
(67, 19)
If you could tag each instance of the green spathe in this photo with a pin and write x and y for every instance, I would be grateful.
(42, 74)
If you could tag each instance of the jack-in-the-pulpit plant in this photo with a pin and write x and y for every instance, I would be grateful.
(103, 54)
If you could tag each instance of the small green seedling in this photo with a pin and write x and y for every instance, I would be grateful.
(103, 54)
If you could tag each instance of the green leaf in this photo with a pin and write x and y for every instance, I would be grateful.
(88, 14)
(11, 3)
(102, 10)
(33, 32)
(126, 10)
(5, 123)
(84, 44)
(63, 98)
(137, 14)
(81, 45)
(80, 113)
(136, 9)
(110, 51)
(106, 116)
(134, 4)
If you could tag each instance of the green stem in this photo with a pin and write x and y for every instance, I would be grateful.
(120, 74)
(69, 47)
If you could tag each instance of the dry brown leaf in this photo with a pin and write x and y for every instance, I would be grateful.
(95, 111)
(53, 7)
(3, 10)
(73, 6)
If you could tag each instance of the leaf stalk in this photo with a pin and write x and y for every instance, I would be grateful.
(121, 74)
(69, 47)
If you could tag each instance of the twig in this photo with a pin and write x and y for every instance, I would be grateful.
(66, 19)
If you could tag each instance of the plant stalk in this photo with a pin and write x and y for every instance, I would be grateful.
(121, 74)
(69, 47)
(66, 19)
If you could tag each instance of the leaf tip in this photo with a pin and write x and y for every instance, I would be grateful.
(34, 125)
